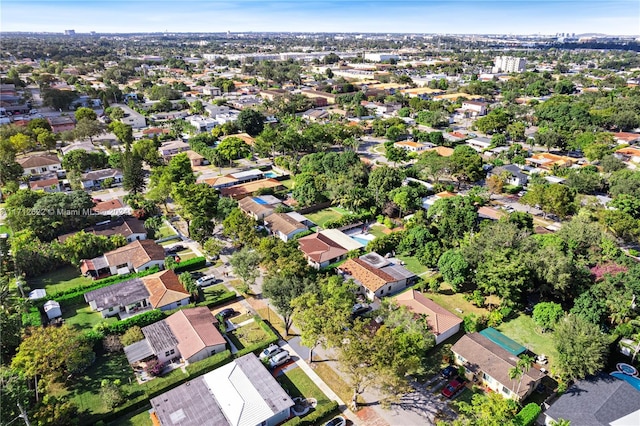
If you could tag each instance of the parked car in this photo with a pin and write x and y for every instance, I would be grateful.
(227, 313)
(359, 309)
(270, 352)
(449, 372)
(337, 421)
(175, 249)
(206, 280)
(453, 387)
(279, 359)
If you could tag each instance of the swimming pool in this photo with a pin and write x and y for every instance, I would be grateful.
(633, 381)
(271, 175)
(361, 240)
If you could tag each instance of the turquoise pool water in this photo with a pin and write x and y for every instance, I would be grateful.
(361, 240)
(271, 175)
(633, 381)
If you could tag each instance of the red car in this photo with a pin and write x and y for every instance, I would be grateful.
(453, 387)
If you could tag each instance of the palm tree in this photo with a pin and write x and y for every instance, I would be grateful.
(525, 363)
(515, 373)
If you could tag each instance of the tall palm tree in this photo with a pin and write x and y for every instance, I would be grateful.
(525, 363)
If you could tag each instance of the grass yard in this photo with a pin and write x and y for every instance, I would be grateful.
(412, 264)
(214, 292)
(452, 301)
(83, 317)
(333, 379)
(378, 230)
(341, 210)
(269, 316)
(247, 335)
(524, 331)
(287, 183)
(62, 279)
(170, 242)
(165, 231)
(323, 216)
(85, 392)
(241, 318)
(297, 384)
(186, 254)
(138, 418)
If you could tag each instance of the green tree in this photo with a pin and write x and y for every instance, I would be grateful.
(189, 284)
(147, 150)
(454, 268)
(132, 335)
(111, 393)
(179, 169)
(547, 314)
(395, 154)
(58, 99)
(282, 290)
(196, 200)
(86, 128)
(87, 113)
(453, 217)
(21, 142)
(132, 173)
(251, 121)
(123, 132)
(490, 409)
(582, 347)
(233, 148)
(213, 247)
(433, 166)
(466, 164)
(240, 229)
(245, 263)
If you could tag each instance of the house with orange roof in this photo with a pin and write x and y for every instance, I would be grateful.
(442, 323)
(628, 155)
(626, 137)
(137, 256)
(245, 137)
(188, 336)
(326, 247)
(427, 202)
(377, 276)
(412, 146)
(165, 290)
(547, 160)
(442, 151)
(238, 192)
(219, 182)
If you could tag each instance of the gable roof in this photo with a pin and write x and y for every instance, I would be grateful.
(159, 336)
(244, 189)
(38, 161)
(138, 253)
(124, 225)
(600, 400)
(194, 330)
(369, 276)
(164, 288)
(283, 223)
(105, 206)
(481, 354)
(101, 174)
(439, 319)
(251, 205)
(123, 293)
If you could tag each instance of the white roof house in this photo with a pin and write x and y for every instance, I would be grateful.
(342, 239)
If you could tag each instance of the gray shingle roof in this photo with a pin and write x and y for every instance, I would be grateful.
(160, 336)
(123, 293)
(596, 401)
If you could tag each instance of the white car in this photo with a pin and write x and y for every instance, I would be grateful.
(270, 352)
(206, 280)
(279, 359)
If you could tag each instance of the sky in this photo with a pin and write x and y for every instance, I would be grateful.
(615, 17)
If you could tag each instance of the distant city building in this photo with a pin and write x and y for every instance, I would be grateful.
(379, 57)
(69, 32)
(509, 64)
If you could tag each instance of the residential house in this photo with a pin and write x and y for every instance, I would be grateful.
(129, 227)
(474, 108)
(427, 202)
(628, 155)
(489, 213)
(377, 276)
(132, 118)
(259, 207)
(325, 97)
(196, 159)
(283, 226)
(203, 124)
(479, 143)
(241, 393)
(47, 183)
(247, 175)
(96, 179)
(39, 164)
(443, 151)
(161, 290)
(155, 132)
(247, 138)
(219, 182)
(442, 323)
(301, 219)
(626, 138)
(602, 400)
(413, 146)
(315, 115)
(326, 247)
(137, 256)
(85, 146)
(61, 123)
(245, 102)
(238, 192)
(189, 335)
(171, 148)
(513, 174)
(113, 207)
(547, 160)
(489, 363)
(272, 94)
(211, 91)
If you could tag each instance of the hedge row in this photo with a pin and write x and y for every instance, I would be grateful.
(348, 219)
(318, 414)
(75, 295)
(209, 364)
(259, 347)
(190, 264)
(528, 415)
(222, 299)
(141, 320)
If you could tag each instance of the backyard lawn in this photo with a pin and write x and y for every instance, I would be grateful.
(247, 335)
(378, 230)
(62, 279)
(412, 264)
(524, 331)
(287, 183)
(452, 301)
(323, 216)
(138, 418)
(170, 242)
(165, 231)
(83, 317)
(297, 384)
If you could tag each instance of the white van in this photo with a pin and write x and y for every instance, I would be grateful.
(206, 280)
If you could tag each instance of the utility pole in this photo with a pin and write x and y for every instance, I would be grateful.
(23, 415)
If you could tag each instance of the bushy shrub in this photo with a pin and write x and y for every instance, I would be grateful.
(141, 320)
(32, 317)
(528, 415)
(320, 412)
(153, 367)
(209, 364)
(190, 264)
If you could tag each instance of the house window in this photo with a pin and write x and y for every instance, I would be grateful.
(167, 353)
(389, 289)
(179, 303)
(505, 390)
(173, 351)
(381, 292)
